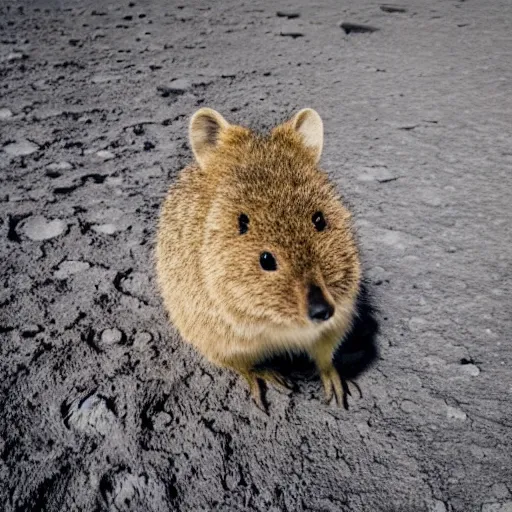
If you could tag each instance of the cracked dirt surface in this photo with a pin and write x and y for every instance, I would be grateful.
(101, 406)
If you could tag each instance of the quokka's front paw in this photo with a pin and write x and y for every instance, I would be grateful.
(335, 386)
(253, 378)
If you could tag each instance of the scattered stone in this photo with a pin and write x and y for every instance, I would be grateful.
(438, 506)
(95, 414)
(161, 420)
(111, 336)
(376, 274)
(16, 56)
(114, 181)
(69, 268)
(136, 284)
(392, 8)
(454, 413)
(377, 173)
(105, 155)
(38, 228)
(141, 340)
(37, 193)
(355, 28)
(106, 229)
(59, 166)
(21, 148)
(103, 79)
(293, 34)
(5, 113)
(179, 86)
(288, 14)
(471, 369)
(148, 146)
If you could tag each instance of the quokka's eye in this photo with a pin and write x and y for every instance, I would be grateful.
(268, 262)
(243, 223)
(319, 221)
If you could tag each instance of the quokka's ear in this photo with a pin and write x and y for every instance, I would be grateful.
(204, 131)
(309, 124)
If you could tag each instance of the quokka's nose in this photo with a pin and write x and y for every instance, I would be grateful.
(319, 310)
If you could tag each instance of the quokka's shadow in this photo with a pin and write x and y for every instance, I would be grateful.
(357, 352)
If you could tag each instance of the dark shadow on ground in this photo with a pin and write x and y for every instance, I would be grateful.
(356, 353)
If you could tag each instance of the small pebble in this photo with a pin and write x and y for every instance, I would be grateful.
(179, 86)
(111, 336)
(5, 113)
(21, 148)
(161, 420)
(114, 181)
(438, 506)
(37, 193)
(16, 56)
(288, 14)
(392, 8)
(142, 339)
(106, 229)
(105, 155)
(454, 413)
(103, 79)
(291, 33)
(356, 28)
(378, 173)
(470, 369)
(38, 228)
(59, 166)
(70, 267)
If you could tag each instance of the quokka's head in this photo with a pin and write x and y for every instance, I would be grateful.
(277, 248)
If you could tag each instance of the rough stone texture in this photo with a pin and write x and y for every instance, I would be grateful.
(417, 118)
(20, 148)
(38, 228)
(5, 114)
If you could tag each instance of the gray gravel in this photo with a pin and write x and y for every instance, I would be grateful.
(102, 407)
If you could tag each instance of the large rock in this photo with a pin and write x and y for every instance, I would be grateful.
(39, 228)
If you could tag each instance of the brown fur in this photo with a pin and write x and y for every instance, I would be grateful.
(213, 287)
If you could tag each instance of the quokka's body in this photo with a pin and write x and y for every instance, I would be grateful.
(255, 252)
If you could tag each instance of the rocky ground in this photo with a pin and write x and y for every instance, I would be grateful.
(102, 407)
